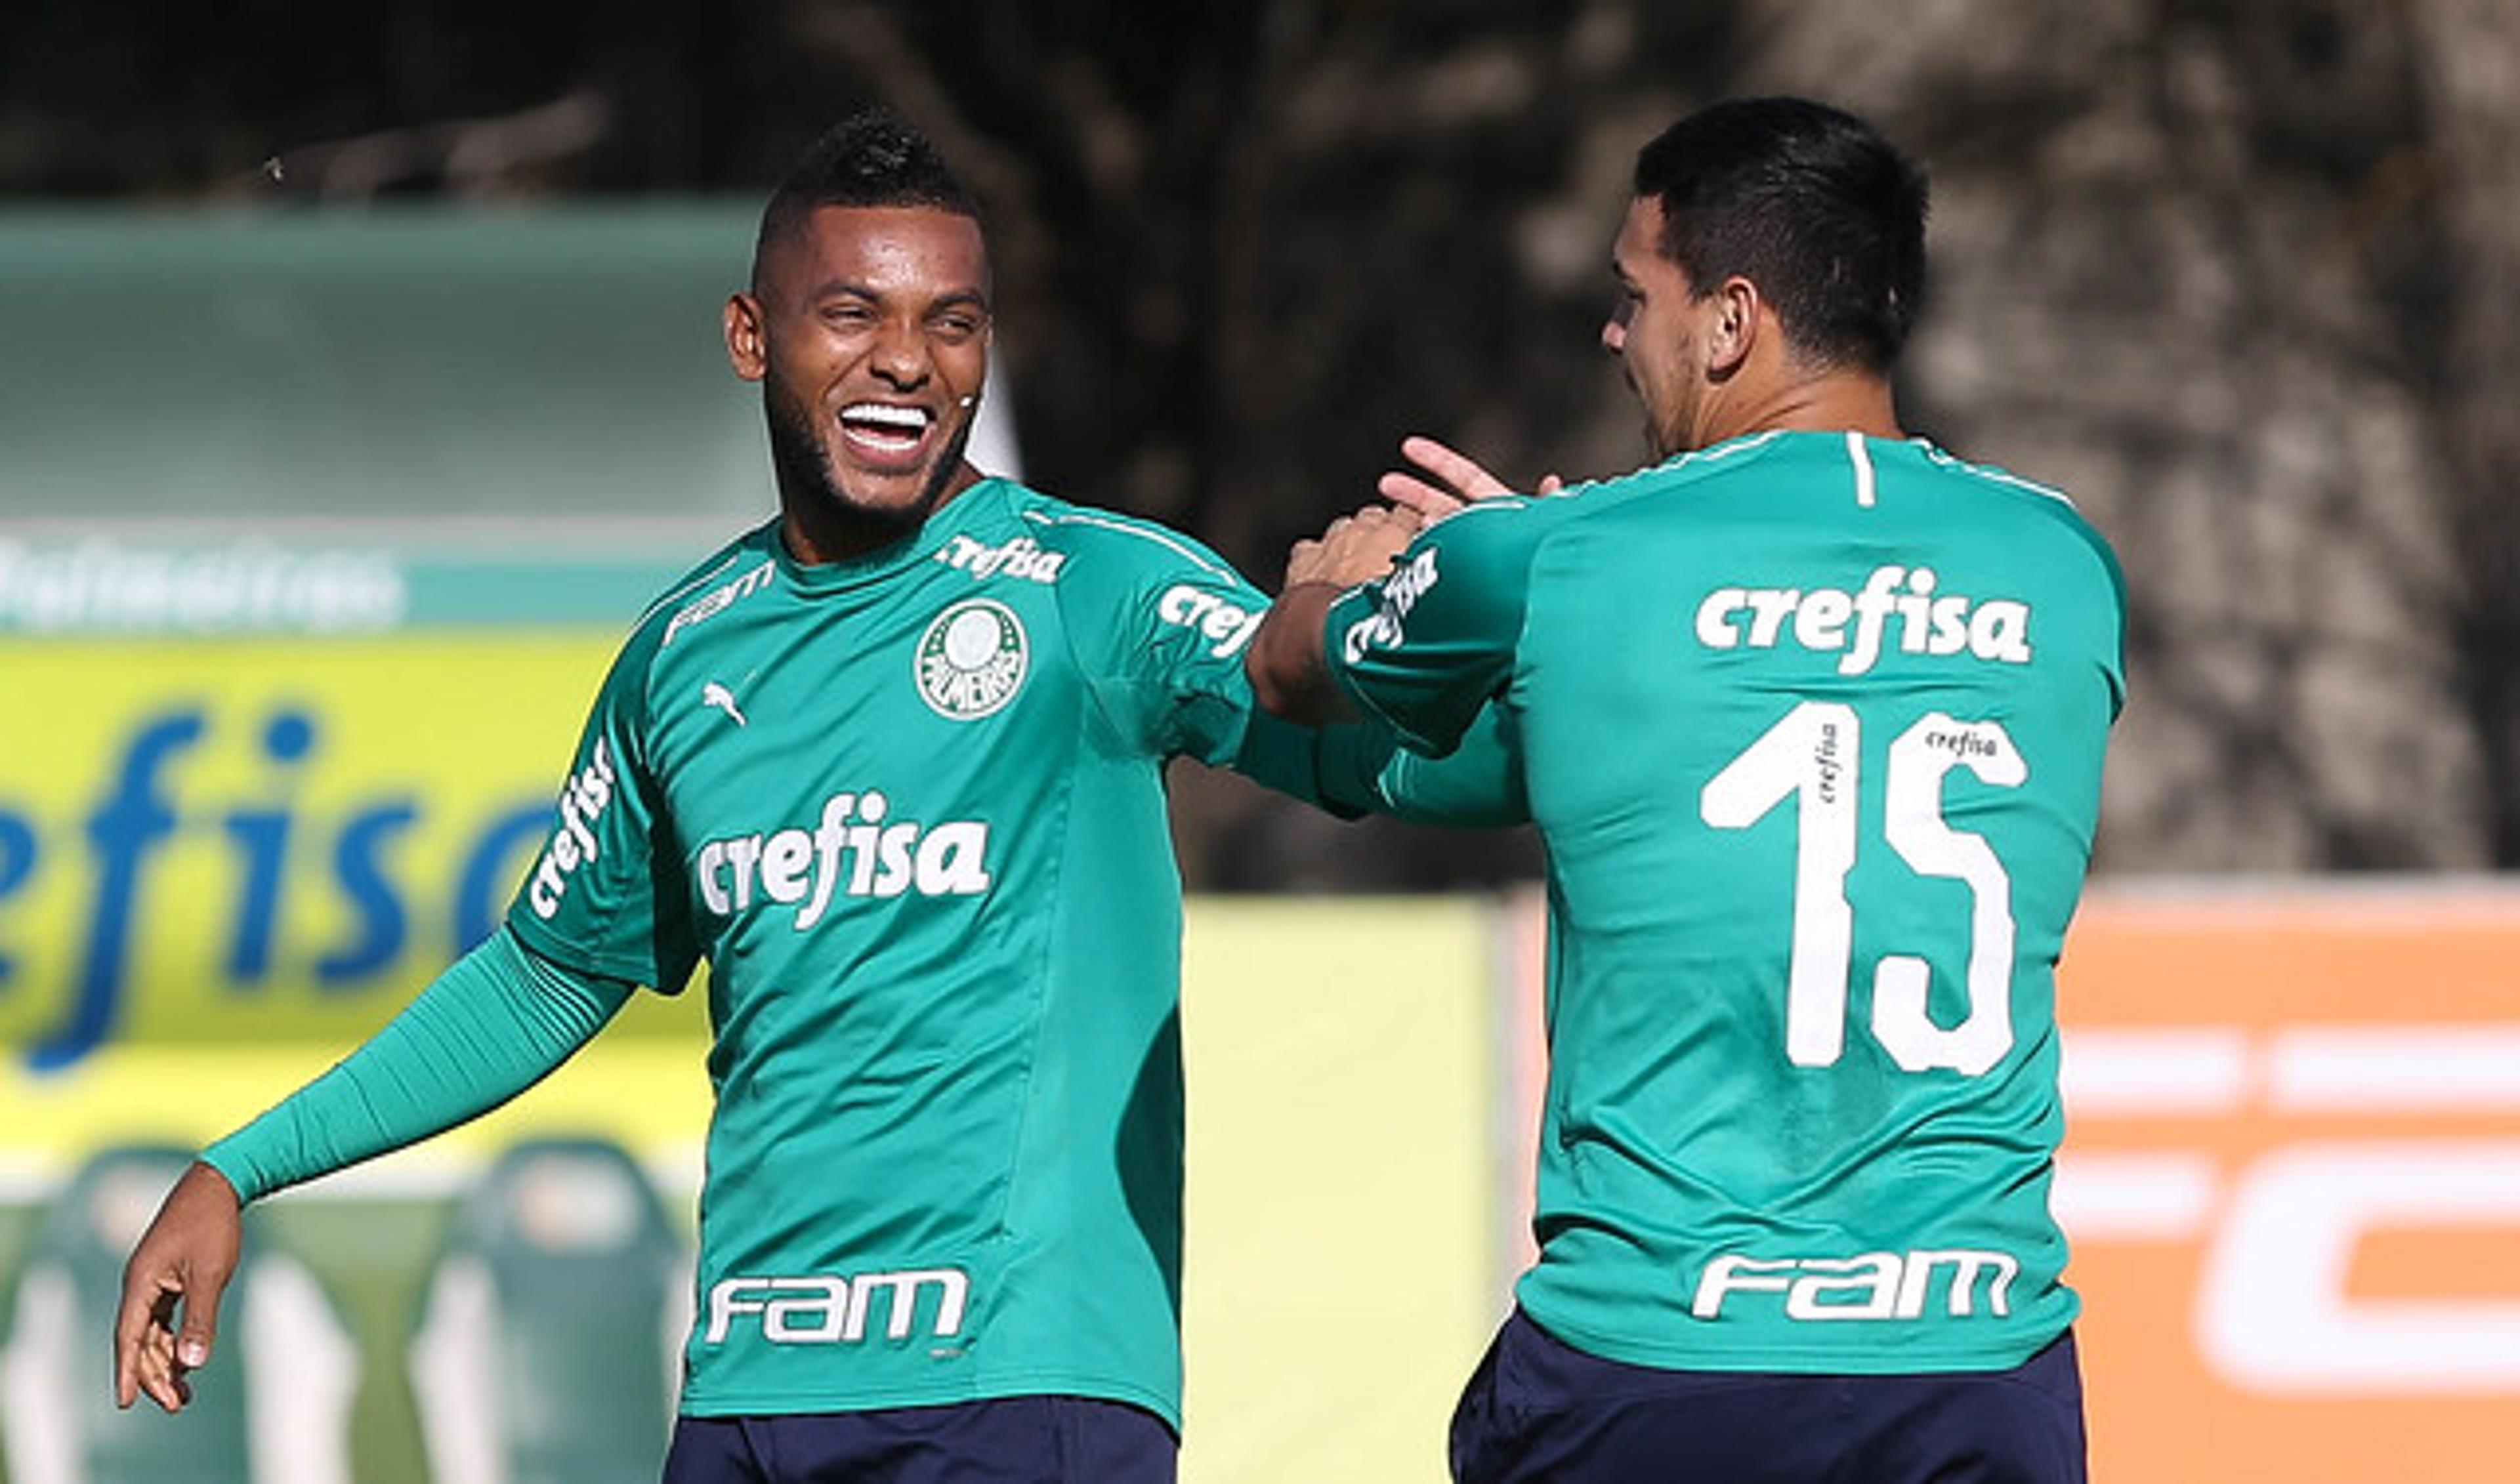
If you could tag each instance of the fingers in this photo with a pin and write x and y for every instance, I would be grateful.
(200, 1328)
(1413, 493)
(167, 1323)
(1458, 471)
(131, 1327)
(1377, 519)
(145, 1358)
(1356, 547)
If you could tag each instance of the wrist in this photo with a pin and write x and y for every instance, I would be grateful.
(219, 1171)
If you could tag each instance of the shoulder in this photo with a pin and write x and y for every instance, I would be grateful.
(1496, 537)
(1129, 588)
(1084, 534)
(743, 566)
(1507, 521)
(2036, 507)
(1110, 568)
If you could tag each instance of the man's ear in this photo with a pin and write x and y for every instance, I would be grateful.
(745, 349)
(1733, 325)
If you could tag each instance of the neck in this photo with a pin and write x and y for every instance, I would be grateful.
(1825, 401)
(820, 528)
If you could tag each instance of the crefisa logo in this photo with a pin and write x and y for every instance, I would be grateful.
(972, 660)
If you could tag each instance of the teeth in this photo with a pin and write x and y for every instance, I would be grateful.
(912, 418)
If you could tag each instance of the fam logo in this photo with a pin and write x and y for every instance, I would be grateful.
(1874, 1285)
(971, 661)
(830, 1309)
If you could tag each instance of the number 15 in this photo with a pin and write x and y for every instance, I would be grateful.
(1815, 755)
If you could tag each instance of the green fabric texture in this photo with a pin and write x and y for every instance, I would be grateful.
(498, 1021)
(1812, 727)
(908, 807)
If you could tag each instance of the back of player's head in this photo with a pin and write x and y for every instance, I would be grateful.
(1810, 204)
(871, 158)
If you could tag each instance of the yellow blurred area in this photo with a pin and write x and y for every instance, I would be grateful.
(1340, 1273)
(647, 1092)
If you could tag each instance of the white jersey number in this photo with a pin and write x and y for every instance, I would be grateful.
(1814, 755)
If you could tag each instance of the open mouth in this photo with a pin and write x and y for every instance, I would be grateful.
(885, 431)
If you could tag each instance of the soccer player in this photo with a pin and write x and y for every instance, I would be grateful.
(1811, 717)
(891, 765)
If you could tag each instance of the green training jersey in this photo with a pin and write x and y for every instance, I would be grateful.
(909, 811)
(1812, 728)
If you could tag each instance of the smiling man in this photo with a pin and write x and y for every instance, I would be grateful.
(891, 765)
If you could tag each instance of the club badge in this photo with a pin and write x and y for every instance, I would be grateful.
(971, 661)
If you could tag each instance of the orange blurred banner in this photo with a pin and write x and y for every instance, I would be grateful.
(2292, 1179)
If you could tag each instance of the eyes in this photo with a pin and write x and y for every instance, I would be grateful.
(951, 325)
(956, 326)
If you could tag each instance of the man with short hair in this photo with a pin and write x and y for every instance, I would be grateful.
(1810, 718)
(891, 764)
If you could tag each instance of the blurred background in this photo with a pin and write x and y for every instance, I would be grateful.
(360, 380)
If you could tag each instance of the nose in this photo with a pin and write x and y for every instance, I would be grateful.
(1615, 335)
(901, 355)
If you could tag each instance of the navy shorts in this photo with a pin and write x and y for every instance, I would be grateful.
(1005, 1440)
(1539, 1410)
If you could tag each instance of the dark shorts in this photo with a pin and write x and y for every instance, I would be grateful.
(1007, 1440)
(1537, 1410)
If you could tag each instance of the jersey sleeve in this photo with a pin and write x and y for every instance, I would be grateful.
(608, 894)
(498, 1021)
(1479, 783)
(1426, 647)
(1159, 623)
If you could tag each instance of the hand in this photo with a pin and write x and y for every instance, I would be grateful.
(1356, 547)
(183, 1263)
(1463, 479)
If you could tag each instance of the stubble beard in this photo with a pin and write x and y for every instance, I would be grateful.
(801, 461)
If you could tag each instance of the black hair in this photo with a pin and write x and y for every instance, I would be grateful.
(871, 158)
(1810, 204)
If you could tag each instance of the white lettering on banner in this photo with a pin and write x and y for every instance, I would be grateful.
(1022, 557)
(1997, 629)
(2275, 1309)
(2278, 1314)
(583, 798)
(1219, 618)
(1872, 1285)
(719, 600)
(827, 1309)
(1387, 625)
(797, 865)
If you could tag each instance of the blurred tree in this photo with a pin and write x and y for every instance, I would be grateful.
(2244, 275)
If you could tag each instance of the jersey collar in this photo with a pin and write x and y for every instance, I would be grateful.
(883, 562)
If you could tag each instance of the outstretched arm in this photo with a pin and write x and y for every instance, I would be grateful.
(500, 1019)
(1286, 662)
